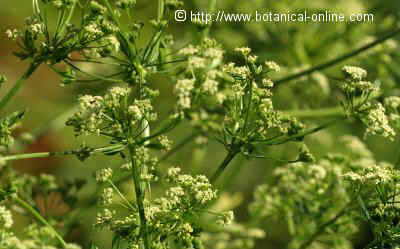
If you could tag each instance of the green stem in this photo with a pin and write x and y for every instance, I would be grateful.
(116, 189)
(40, 218)
(211, 9)
(229, 157)
(71, 13)
(122, 36)
(160, 10)
(33, 155)
(18, 84)
(248, 109)
(340, 58)
(235, 149)
(95, 76)
(336, 111)
(285, 139)
(117, 147)
(318, 113)
(322, 228)
(136, 175)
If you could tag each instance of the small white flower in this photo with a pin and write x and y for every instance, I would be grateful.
(196, 62)
(104, 175)
(377, 122)
(6, 220)
(190, 50)
(104, 217)
(356, 73)
(210, 86)
(393, 102)
(226, 218)
(12, 34)
(272, 66)
(165, 142)
(267, 83)
(107, 196)
(245, 51)
(73, 246)
(114, 43)
(184, 87)
(173, 172)
(135, 111)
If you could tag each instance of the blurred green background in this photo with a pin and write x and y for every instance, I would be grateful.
(295, 46)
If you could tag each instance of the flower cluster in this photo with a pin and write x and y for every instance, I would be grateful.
(249, 108)
(234, 101)
(236, 236)
(6, 220)
(172, 217)
(231, 102)
(203, 72)
(392, 106)
(7, 125)
(377, 122)
(106, 197)
(104, 175)
(330, 197)
(375, 186)
(355, 73)
(112, 114)
(307, 195)
(165, 143)
(375, 174)
(359, 103)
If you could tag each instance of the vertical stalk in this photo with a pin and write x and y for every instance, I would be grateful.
(160, 10)
(69, 17)
(137, 170)
(211, 8)
(158, 41)
(140, 192)
(248, 108)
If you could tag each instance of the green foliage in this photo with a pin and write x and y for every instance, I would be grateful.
(222, 92)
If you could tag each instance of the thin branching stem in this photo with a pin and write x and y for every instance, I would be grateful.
(117, 147)
(127, 202)
(69, 17)
(339, 59)
(285, 139)
(234, 150)
(317, 113)
(321, 229)
(228, 159)
(18, 84)
(40, 218)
